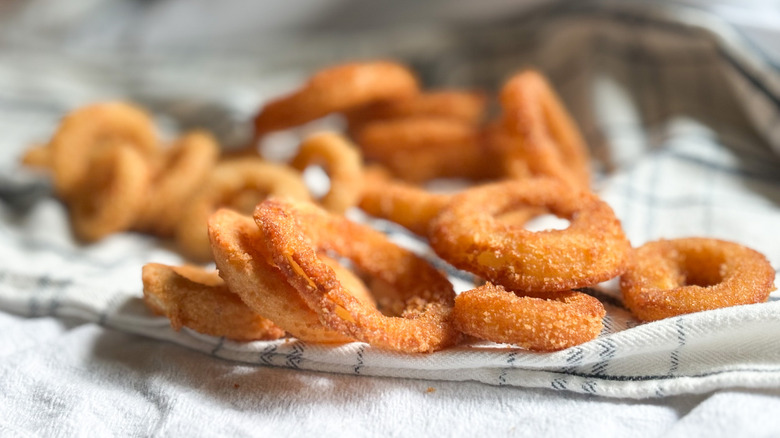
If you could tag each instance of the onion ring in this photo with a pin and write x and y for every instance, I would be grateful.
(243, 262)
(549, 322)
(343, 164)
(673, 277)
(336, 89)
(407, 205)
(186, 166)
(464, 106)
(592, 249)
(418, 294)
(88, 129)
(112, 195)
(421, 149)
(239, 184)
(537, 131)
(199, 299)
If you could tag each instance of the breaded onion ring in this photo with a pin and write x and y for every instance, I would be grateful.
(336, 89)
(673, 277)
(465, 106)
(537, 131)
(407, 205)
(548, 322)
(238, 184)
(244, 263)
(341, 161)
(87, 130)
(420, 149)
(112, 193)
(592, 249)
(419, 296)
(185, 168)
(193, 297)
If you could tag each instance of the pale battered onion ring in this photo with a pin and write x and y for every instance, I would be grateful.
(193, 297)
(549, 322)
(185, 167)
(87, 130)
(420, 149)
(667, 278)
(341, 161)
(337, 89)
(112, 195)
(244, 263)
(422, 300)
(591, 250)
(539, 132)
(465, 106)
(407, 205)
(239, 184)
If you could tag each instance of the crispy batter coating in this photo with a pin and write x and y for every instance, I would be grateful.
(238, 184)
(244, 263)
(343, 164)
(113, 192)
(185, 168)
(418, 297)
(335, 89)
(548, 322)
(591, 250)
(193, 297)
(87, 130)
(667, 278)
(38, 156)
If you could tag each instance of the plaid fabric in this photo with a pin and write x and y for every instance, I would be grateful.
(683, 121)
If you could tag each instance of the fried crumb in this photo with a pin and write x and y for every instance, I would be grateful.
(430, 389)
(236, 385)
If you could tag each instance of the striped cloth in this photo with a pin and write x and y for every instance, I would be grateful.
(683, 119)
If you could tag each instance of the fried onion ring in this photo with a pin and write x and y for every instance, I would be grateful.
(112, 195)
(537, 131)
(464, 106)
(193, 297)
(87, 130)
(407, 205)
(186, 166)
(336, 89)
(667, 278)
(549, 322)
(420, 149)
(342, 163)
(244, 263)
(422, 299)
(592, 249)
(239, 184)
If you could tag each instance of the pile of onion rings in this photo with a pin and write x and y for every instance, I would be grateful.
(305, 270)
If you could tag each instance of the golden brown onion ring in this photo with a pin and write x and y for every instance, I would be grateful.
(193, 297)
(113, 193)
(336, 89)
(341, 161)
(86, 130)
(667, 278)
(536, 130)
(549, 322)
(239, 184)
(244, 263)
(422, 300)
(185, 168)
(591, 250)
